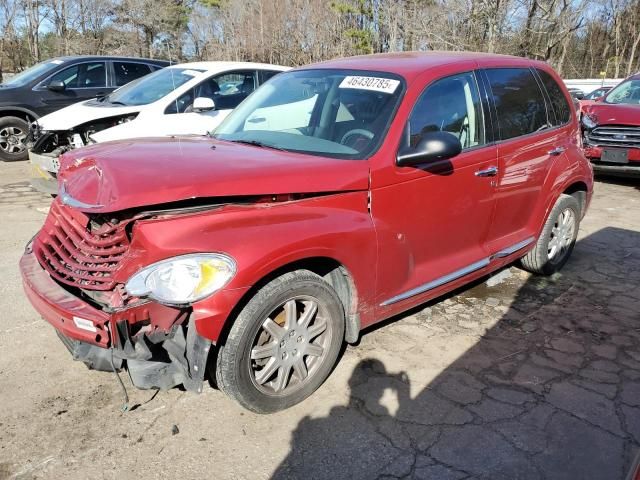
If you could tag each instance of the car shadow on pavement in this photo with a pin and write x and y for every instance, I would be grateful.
(550, 387)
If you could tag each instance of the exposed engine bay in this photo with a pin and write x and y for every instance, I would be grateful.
(55, 143)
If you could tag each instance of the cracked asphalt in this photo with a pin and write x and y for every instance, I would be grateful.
(514, 377)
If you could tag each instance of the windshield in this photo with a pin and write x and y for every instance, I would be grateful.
(627, 92)
(152, 87)
(32, 73)
(334, 113)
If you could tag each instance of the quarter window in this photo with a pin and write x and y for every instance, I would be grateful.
(451, 105)
(558, 100)
(519, 102)
(126, 72)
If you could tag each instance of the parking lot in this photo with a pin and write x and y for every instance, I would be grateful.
(515, 377)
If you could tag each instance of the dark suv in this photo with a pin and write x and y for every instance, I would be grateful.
(56, 83)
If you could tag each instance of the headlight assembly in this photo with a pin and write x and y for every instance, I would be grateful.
(184, 279)
(589, 122)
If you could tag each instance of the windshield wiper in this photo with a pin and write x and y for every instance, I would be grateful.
(257, 143)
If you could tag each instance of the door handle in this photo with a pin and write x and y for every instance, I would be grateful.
(556, 151)
(256, 120)
(489, 172)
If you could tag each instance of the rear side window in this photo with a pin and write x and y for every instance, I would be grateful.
(519, 102)
(451, 104)
(126, 72)
(558, 101)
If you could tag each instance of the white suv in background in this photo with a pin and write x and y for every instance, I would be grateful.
(190, 98)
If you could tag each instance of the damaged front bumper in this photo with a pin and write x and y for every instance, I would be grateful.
(153, 357)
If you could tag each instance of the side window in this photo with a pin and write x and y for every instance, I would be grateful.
(451, 104)
(84, 75)
(233, 88)
(558, 100)
(68, 76)
(519, 102)
(126, 72)
(267, 74)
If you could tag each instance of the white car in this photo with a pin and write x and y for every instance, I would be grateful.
(190, 98)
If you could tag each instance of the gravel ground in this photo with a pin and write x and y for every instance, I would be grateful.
(513, 377)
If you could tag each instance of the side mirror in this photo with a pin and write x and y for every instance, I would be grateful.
(599, 99)
(57, 86)
(203, 104)
(432, 146)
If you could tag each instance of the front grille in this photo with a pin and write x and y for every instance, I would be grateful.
(74, 255)
(614, 136)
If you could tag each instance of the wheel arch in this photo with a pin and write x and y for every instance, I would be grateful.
(579, 190)
(25, 114)
(331, 270)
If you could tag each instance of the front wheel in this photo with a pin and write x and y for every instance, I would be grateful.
(283, 344)
(13, 139)
(558, 237)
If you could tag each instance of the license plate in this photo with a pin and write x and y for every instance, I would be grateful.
(618, 155)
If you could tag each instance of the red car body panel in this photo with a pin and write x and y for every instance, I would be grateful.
(392, 228)
(196, 167)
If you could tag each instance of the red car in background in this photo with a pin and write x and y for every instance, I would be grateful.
(335, 196)
(611, 129)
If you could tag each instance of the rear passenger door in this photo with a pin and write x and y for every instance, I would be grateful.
(528, 144)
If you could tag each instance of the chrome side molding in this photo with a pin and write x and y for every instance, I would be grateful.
(450, 277)
(513, 248)
(438, 282)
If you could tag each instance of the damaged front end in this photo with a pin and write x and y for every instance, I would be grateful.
(70, 274)
(48, 145)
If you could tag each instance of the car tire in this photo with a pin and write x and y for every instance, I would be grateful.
(13, 136)
(269, 362)
(558, 237)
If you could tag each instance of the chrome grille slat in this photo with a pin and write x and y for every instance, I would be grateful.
(605, 136)
(74, 255)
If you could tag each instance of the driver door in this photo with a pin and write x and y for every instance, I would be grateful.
(226, 90)
(432, 220)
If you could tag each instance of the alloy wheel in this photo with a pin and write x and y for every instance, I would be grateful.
(562, 235)
(290, 346)
(12, 140)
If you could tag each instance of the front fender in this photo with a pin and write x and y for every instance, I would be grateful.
(263, 238)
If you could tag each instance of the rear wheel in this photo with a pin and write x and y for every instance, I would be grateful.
(557, 239)
(13, 139)
(283, 344)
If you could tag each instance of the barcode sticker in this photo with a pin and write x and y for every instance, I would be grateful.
(384, 85)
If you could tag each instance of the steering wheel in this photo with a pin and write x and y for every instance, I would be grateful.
(356, 131)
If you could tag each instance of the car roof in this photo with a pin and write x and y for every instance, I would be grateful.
(410, 64)
(69, 58)
(216, 66)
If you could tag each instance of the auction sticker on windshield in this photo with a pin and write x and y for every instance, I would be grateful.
(385, 85)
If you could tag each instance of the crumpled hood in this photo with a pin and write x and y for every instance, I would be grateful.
(82, 112)
(613, 114)
(114, 176)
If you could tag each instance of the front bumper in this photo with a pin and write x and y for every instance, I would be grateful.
(630, 169)
(154, 358)
(44, 169)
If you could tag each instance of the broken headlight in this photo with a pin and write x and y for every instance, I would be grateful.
(184, 279)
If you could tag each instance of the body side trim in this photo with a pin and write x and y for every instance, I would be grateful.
(505, 252)
(438, 282)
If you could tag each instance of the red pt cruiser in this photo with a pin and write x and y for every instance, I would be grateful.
(336, 196)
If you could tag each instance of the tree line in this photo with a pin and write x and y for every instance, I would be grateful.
(580, 38)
